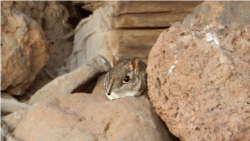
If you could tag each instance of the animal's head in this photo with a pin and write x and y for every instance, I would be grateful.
(126, 78)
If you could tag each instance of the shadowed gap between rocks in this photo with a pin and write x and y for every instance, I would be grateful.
(87, 87)
(84, 14)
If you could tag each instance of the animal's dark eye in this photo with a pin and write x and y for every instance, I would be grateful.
(126, 79)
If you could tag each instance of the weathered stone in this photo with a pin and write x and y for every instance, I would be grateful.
(9, 104)
(89, 5)
(222, 12)
(137, 14)
(6, 135)
(118, 28)
(7, 96)
(13, 119)
(1, 137)
(54, 18)
(67, 83)
(4, 131)
(24, 50)
(128, 7)
(199, 81)
(86, 45)
(153, 20)
(132, 42)
(99, 89)
(91, 119)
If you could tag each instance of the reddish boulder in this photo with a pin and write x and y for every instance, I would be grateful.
(24, 50)
(222, 12)
(199, 81)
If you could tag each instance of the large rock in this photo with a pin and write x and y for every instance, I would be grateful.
(90, 118)
(23, 48)
(119, 28)
(89, 40)
(76, 79)
(222, 12)
(135, 7)
(160, 20)
(53, 17)
(150, 14)
(198, 79)
(132, 7)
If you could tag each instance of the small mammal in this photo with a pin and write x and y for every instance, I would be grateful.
(127, 77)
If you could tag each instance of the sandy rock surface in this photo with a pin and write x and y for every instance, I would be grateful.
(13, 119)
(90, 118)
(24, 50)
(199, 81)
(69, 82)
(220, 12)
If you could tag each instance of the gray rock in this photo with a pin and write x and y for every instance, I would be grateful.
(9, 104)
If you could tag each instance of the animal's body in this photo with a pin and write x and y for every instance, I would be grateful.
(127, 77)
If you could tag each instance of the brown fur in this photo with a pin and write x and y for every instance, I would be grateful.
(126, 66)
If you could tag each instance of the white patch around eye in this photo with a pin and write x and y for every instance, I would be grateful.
(125, 82)
(130, 74)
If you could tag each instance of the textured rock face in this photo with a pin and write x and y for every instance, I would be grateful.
(121, 28)
(220, 12)
(23, 48)
(53, 17)
(199, 84)
(89, 5)
(91, 117)
(76, 79)
(13, 119)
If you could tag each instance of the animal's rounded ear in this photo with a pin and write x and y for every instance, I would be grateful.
(133, 65)
(113, 62)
